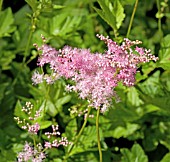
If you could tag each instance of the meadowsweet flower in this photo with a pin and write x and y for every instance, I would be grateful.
(35, 153)
(55, 143)
(34, 127)
(30, 153)
(37, 77)
(96, 75)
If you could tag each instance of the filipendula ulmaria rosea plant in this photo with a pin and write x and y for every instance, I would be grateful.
(95, 75)
(35, 152)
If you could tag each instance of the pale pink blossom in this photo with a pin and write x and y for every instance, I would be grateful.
(96, 75)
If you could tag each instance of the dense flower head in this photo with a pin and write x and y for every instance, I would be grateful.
(95, 75)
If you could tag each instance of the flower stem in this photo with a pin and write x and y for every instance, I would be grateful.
(159, 19)
(98, 134)
(131, 19)
(1, 2)
(78, 136)
(27, 46)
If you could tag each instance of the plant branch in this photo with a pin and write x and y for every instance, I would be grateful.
(132, 18)
(98, 134)
(159, 18)
(1, 2)
(78, 136)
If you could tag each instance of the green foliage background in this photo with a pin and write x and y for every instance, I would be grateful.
(134, 130)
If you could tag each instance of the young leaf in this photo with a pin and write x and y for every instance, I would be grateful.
(33, 4)
(7, 20)
(112, 12)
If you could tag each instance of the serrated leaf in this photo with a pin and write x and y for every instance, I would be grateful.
(164, 53)
(122, 114)
(133, 97)
(152, 86)
(135, 155)
(125, 131)
(71, 129)
(86, 140)
(112, 12)
(106, 15)
(63, 24)
(119, 13)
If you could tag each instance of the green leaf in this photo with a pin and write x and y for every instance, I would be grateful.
(3, 87)
(63, 100)
(86, 140)
(127, 2)
(51, 108)
(106, 15)
(58, 6)
(122, 114)
(112, 12)
(33, 4)
(165, 80)
(152, 86)
(71, 129)
(166, 158)
(125, 131)
(63, 24)
(44, 124)
(133, 97)
(164, 53)
(7, 20)
(18, 111)
(136, 154)
(119, 13)
(6, 57)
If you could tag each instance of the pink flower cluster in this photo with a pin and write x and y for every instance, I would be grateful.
(95, 75)
(36, 153)
(32, 128)
(29, 153)
(56, 143)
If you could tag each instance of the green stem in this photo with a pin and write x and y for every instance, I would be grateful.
(25, 54)
(159, 19)
(78, 136)
(98, 134)
(1, 2)
(24, 58)
(132, 17)
(27, 46)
